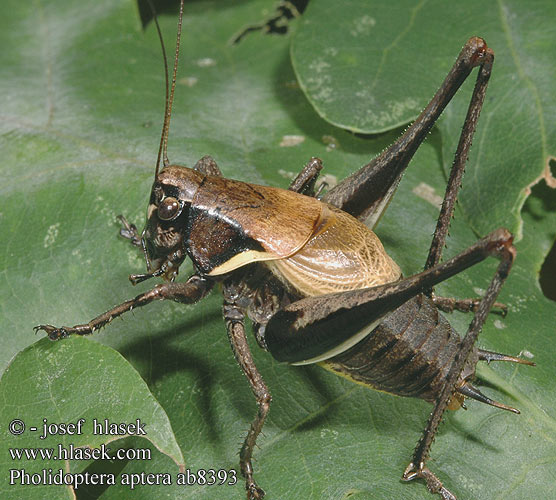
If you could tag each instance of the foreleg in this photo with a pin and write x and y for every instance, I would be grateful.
(189, 292)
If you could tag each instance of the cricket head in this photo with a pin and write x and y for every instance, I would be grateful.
(164, 238)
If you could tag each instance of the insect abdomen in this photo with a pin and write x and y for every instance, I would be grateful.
(408, 354)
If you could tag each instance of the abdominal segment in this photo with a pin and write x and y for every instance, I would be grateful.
(408, 354)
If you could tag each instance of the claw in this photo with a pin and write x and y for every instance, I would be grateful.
(254, 492)
(129, 231)
(53, 332)
(433, 483)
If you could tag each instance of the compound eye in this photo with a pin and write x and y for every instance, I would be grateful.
(168, 208)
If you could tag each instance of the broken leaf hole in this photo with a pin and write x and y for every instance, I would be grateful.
(278, 22)
(547, 276)
(540, 208)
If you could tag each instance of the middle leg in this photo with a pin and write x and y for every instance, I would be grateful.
(234, 318)
(304, 182)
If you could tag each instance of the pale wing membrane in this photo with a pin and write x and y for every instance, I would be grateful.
(342, 255)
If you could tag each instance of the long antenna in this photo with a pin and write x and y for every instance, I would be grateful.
(162, 46)
(163, 147)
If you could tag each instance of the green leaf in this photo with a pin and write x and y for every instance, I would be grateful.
(52, 396)
(372, 66)
(81, 109)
